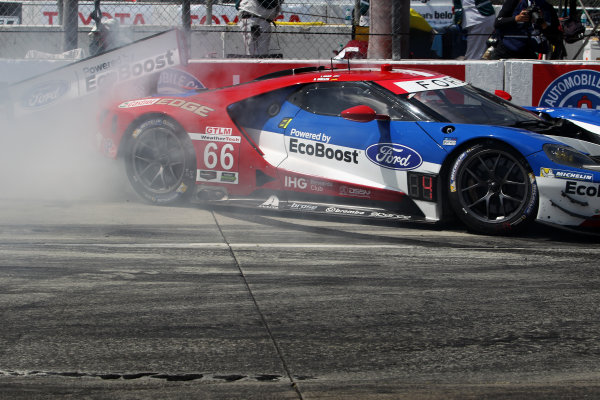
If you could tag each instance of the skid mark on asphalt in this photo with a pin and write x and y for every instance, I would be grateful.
(153, 375)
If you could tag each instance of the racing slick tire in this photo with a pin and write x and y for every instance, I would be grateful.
(492, 189)
(160, 161)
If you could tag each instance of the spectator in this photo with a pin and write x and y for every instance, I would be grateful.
(105, 36)
(256, 18)
(527, 29)
(477, 18)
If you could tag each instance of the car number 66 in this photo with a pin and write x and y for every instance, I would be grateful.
(212, 157)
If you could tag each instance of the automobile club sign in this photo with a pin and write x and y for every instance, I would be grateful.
(577, 89)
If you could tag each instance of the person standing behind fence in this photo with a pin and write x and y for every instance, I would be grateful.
(256, 20)
(477, 18)
(527, 29)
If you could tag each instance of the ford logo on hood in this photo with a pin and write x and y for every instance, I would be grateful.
(394, 156)
(44, 94)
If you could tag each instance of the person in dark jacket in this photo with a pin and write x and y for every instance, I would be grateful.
(526, 29)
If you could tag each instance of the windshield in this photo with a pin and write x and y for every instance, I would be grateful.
(469, 105)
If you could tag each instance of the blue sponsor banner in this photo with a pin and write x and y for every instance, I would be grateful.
(175, 81)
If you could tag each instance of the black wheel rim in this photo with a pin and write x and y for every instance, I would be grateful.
(493, 186)
(158, 160)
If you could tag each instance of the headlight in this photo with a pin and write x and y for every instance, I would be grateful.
(570, 157)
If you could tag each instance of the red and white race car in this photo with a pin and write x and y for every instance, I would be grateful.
(396, 144)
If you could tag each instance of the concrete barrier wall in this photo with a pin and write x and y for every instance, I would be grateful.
(488, 75)
(553, 83)
(531, 83)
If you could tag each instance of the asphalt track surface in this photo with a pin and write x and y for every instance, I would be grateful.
(106, 297)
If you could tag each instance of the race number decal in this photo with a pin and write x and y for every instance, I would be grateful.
(218, 158)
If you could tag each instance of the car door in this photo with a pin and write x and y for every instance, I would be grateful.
(320, 143)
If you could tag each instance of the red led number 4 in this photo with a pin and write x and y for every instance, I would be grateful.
(421, 187)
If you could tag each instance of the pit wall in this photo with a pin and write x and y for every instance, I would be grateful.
(531, 83)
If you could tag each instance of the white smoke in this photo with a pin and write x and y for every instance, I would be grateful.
(48, 147)
(52, 157)
(51, 154)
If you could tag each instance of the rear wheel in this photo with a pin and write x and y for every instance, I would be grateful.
(160, 161)
(492, 189)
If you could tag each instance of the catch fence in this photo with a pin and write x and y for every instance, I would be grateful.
(313, 29)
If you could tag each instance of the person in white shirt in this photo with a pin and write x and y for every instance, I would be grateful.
(256, 20)
(477, 17)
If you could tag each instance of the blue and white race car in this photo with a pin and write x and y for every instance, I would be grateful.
(402, 144)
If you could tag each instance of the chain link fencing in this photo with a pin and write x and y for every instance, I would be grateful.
(312, 29)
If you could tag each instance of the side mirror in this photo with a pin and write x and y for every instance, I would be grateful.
(503, 94)
(363, 114)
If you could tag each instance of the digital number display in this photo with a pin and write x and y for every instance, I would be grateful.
(422, 186)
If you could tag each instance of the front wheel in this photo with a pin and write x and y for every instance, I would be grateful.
(160, 161)
(492, 189)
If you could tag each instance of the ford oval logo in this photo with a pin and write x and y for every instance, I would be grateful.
(44, 94)
(394, 156)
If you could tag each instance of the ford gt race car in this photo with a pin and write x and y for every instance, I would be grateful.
(408, 145)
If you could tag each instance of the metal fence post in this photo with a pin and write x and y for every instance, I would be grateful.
(356, 19)
(186, 17)
(70, 14)
(209, 12)
(61, 11)
(400, 29)
(186, 24)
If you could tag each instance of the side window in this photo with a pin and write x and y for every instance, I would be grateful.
(331, 98)
(254, 111)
